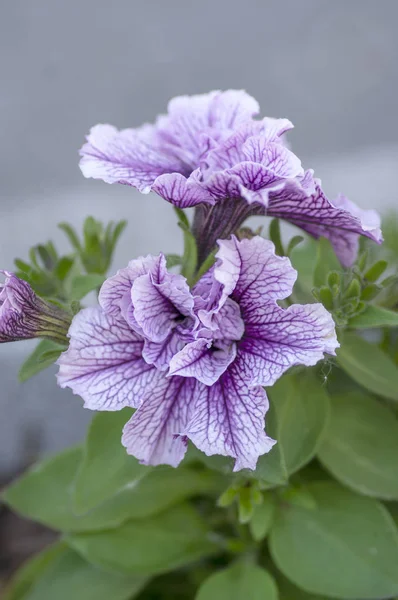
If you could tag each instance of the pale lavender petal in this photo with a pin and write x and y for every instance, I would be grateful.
(115, 293)
(161, 299)
(250, 271)
(202, 361)
(225, 323)
(160, 354)
(277, 339)
(281, 161)
(180, 191)
(103, 363)
(126, 157)
(193, 121)
(155, 433)
(342, 222)
(228, 419)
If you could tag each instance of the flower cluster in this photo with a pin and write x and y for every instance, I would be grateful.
(193, 362)
(209, 152)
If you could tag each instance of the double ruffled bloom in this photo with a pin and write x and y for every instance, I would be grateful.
(193, 363)
(210, 152)
(23, 315)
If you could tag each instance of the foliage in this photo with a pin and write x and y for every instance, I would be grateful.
(313, 521)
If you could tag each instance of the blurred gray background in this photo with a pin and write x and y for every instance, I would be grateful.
(331, 67)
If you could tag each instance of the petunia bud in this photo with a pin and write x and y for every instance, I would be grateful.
(23, 315)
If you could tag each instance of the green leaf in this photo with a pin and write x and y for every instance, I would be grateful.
(44, 494)
(239, 582)
(275, 236)
(271, 467)
(42, 357)
(368, 366)
(262, 518)
(295, 241)
(68, 576)
(148, 546)
(326, 261)
(376, 270)
(72, 235)
(360, 447)
(374, 316)
(173, 260)
(25, 578)
(106, 467)
(302, 407)
(81, 285)
(288, 591)
(347, 547)
(303, 259)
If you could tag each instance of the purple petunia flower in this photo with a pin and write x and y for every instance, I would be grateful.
(232, 339)
(209, 152)
(23, 315)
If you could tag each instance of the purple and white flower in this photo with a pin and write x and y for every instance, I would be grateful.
(210, 152)
(23, 315)
(233, 338)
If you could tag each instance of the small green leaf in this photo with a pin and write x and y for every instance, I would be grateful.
(295, 241)
(239, 582)
(42, 357)
(347, 547)
(360, 447)
(262, 518)
(368, 366)
(81, 285)
(106, 467)
(275, 236)
(326, 261)
(302, 408)
(371, 291)
(376, 270)
(148, 546)
(374, 316)
(66, 575)
(172, 260)
(326, 297)
(72, 235)
(353, 290)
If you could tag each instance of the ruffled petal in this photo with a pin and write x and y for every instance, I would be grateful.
(342, 222)
(155, 433)
(277, 339)
(127, 157)
(180, 191)
(228, 419)
(160, 354)
(103, 363)
(115, 293)
(249, 270)
(202, 361)
(160, 299)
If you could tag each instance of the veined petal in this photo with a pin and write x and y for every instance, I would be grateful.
(204, 363)
(155, 433)
(249, 271)
(103, 363)
(228, 419)
(180, 191)
(273, 155)
(342, 222)
(277, 339)
(160, 354)
(115, 293)
(126, 157)
(160, 298)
